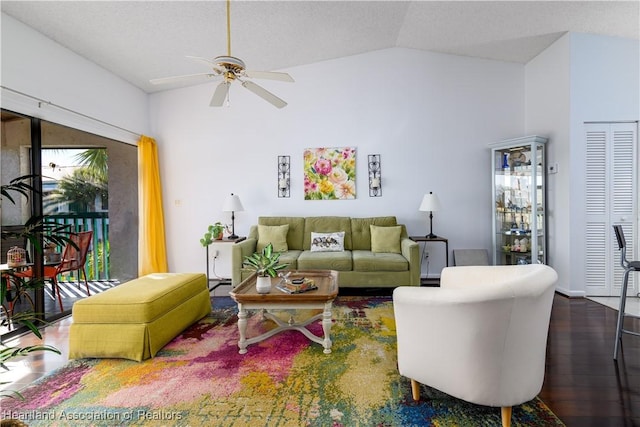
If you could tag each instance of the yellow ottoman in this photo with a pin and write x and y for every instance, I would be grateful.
(136, 319)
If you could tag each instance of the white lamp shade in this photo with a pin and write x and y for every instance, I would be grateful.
(430, 203)
(232, 204)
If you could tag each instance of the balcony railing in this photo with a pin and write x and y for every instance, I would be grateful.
(97, 266)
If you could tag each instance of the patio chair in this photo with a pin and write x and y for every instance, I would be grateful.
(73, 259)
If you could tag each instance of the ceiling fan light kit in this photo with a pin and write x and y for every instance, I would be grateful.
(231, 69)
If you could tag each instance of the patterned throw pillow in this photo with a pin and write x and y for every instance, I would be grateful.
(327, 242)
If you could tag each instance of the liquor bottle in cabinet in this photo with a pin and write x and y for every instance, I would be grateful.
(519, 206)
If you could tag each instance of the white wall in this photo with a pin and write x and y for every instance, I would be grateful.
(39, 67)
(548, 109)
(430, 117)
(580, 78)
(605, 86)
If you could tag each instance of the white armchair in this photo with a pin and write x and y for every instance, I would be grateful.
(481, 336)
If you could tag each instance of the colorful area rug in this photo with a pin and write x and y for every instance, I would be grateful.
(199, 379)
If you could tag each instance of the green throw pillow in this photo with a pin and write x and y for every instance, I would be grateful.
(274, 234)
(385, 239)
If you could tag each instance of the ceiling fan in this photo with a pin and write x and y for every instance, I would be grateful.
(231, 69)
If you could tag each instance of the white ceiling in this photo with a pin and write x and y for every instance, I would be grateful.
(141, 40)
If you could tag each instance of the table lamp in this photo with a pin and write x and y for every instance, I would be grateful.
(233, 204)
(430, 203)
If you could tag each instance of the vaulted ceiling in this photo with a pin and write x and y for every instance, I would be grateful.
(141, 40)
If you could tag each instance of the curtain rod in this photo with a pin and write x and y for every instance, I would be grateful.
(42, 101)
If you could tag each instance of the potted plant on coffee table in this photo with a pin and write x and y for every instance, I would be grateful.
(266, 265)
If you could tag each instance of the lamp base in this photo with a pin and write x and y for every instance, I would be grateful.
(431, 236)
(232, 236)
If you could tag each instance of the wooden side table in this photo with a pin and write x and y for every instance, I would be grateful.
(220, 280)
(426, 240)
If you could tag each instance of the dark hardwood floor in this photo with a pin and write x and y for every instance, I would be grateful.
(583, 385)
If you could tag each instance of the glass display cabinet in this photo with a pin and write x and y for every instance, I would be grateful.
(519, 206)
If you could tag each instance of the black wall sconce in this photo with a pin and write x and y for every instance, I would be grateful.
(375, 176)
(284, 178)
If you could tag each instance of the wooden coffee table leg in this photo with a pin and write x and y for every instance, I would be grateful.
(242, 328)
(326, 327)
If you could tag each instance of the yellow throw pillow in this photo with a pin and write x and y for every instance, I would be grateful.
(385, 239)
(274, 234)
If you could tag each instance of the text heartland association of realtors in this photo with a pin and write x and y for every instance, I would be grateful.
(110, 415)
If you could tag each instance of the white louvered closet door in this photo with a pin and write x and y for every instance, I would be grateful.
(611, 199)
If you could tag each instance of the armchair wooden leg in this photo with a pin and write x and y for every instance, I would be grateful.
(506, 416)
(415, 389)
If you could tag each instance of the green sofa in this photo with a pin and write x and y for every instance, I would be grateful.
(377, 251)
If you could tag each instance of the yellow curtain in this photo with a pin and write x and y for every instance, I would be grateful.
(152, 250)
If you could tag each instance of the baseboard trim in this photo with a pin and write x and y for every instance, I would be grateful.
(571, 294)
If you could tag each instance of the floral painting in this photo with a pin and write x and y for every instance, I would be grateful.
(330, 173)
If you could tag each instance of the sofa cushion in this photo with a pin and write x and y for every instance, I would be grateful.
(274, 234)
(361, 231)
(372, 261)
(327, 242)
(296, 228)
(340, 261)
(290, 258)
(385, 239)
(327, 224)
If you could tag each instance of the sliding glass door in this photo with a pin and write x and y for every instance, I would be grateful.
(82, 181)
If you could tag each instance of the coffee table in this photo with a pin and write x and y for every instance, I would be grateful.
(247, 298)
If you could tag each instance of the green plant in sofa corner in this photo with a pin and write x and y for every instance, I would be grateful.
(265, 263)
(35, 230)
(214, 232)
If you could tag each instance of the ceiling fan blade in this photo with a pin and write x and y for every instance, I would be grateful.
(264, 94)
(174, 79)
(270, 75)
(220, 94)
